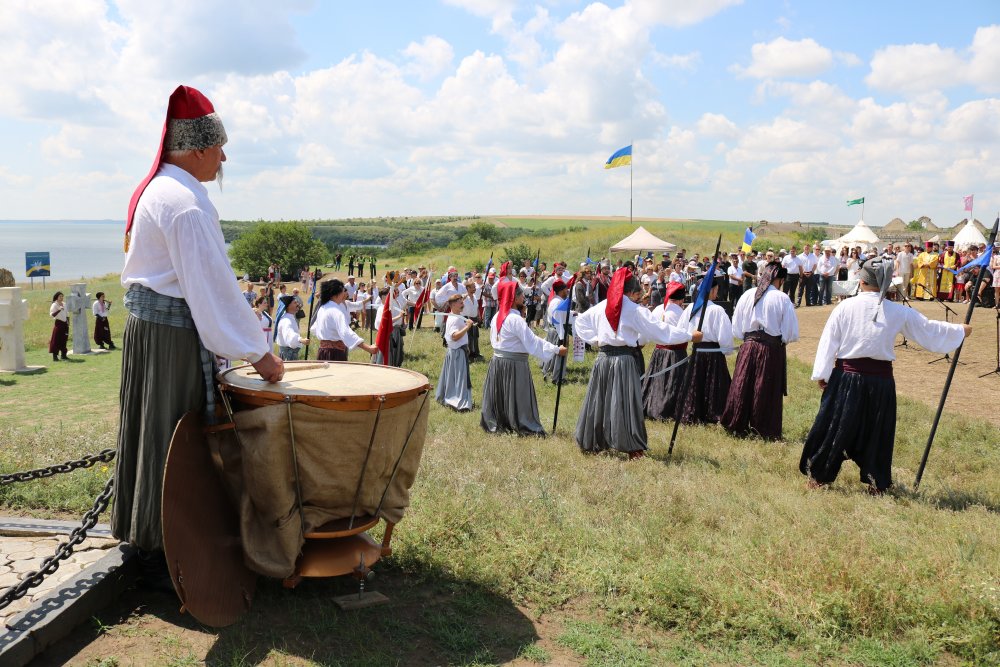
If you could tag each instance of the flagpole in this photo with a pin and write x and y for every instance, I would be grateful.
(562, 367)
(954, 362)
(312, 304)
(631, 160)
(689, 371)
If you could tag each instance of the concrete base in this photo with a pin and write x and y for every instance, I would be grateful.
(53, 617)
(92, 351)
(27, 370)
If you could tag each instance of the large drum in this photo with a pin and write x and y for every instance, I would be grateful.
(313, 461)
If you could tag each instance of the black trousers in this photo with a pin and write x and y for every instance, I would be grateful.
(791, 283)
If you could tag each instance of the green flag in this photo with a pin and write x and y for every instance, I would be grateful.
(856, 201)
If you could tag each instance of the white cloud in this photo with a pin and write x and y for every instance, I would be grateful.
(984, 68)
(782, 57)
(716, 125)
(193, 38)
(686, 61)
(500, 12)
(976, 122)
(915, 68)
(429, 58)
(678, 13)
(910, 120)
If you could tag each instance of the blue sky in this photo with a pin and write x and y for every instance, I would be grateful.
(738, 110)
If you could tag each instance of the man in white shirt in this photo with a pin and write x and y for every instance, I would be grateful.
(412, 294)
(175, 251)
(826, 270)
(857, 414)
(792, 264)
(807, 277)
(904, 268)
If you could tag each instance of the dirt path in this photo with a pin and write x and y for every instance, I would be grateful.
(969, 394)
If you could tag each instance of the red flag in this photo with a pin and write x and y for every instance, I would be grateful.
(385, 329)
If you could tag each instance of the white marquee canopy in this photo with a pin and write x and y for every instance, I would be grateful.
(641, 239)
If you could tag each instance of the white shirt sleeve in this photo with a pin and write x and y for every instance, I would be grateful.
(789, 323)
(538, 347)
(585, 326)
(932, 335)
(225, 324)
(826, 351)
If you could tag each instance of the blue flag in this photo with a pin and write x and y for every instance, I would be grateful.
(704, 289)
(489, 264)
(563, 307)
(983, 260)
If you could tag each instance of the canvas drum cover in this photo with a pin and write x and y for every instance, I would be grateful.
(331, 447)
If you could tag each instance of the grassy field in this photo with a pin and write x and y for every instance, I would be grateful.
(526, 552)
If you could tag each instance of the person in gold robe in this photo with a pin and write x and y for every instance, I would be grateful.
(949, 260)
(925, 275)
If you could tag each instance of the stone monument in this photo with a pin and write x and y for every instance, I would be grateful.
(13, 313)
(78, 305)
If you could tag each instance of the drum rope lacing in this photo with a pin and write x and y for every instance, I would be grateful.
(364, 466)
(406, 443)
(79, 534)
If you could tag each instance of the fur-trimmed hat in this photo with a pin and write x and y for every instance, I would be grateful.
(191, 124)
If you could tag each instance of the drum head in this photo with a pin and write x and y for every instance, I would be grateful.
(201, 532)
(335, 385)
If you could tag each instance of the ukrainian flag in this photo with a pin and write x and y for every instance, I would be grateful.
(748, 238)
(620, 158)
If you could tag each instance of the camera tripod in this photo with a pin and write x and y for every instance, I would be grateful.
(947, 312)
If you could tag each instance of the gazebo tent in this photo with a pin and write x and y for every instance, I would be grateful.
(968, 236)
(641, 239)
(861, 233)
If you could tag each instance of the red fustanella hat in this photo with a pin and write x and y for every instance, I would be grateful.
(191, 124)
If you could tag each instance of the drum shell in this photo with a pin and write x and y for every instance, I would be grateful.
(330, 446)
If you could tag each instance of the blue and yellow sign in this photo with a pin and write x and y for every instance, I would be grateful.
(37, 264)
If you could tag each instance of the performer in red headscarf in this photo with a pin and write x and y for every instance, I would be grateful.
(611, 416)
(509, 404)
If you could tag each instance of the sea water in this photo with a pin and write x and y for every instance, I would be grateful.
(77, 248)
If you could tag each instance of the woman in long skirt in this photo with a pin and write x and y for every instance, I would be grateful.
(705, 398)
(454, 387)
(102, 332)
(661, 388)
(611, 416)
(509, 403)
(60, 327)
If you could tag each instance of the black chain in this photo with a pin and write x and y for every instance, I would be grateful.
(69, 466)
(65, 549)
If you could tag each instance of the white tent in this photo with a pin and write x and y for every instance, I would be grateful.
(968, 236)
(641, 239)
(862, 234)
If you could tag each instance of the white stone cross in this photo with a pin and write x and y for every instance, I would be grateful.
(78, 304)
(13, 313)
